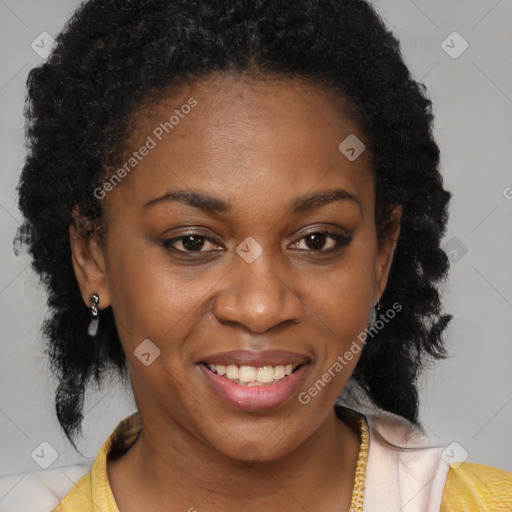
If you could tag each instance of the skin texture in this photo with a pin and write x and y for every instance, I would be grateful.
(259, 145)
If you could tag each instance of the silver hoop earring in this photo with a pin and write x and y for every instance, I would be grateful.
(92, 330)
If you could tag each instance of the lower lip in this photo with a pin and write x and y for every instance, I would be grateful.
(255, 398)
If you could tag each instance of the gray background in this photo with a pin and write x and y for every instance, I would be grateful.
(467, 398)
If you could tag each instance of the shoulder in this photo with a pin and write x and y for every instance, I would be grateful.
(69, 488)
(80, 496)
(40, 491)
(477, 487)
(93, 491)
(407, 471)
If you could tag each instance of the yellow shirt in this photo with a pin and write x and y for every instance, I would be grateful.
(469, 487)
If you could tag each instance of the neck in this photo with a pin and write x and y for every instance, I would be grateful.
(182, 470)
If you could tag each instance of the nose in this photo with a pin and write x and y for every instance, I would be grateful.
(258, 297)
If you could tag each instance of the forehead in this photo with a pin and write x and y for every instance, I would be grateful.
(232, 134)
(225, 102)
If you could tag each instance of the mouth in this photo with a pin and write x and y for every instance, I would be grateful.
(253, 375)
(254, 381)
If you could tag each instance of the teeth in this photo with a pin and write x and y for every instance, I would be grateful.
(247, 374)
(251, 375)
(278, 372)
(232, 372)
(265, 374)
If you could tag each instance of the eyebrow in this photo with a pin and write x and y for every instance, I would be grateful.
(216, 205)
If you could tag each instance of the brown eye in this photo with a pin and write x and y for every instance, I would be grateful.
(317, 241)
(191, 242)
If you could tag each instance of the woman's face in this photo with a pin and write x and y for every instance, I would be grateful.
(214, 256)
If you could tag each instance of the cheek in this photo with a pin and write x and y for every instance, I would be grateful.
(341, 308)
(342, 303)
(136, 289)
(345, 295)
(153, 298)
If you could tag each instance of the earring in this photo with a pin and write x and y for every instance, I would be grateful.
(373, 314)
(93, 326)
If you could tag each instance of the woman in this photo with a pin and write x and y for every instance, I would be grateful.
(243, 218)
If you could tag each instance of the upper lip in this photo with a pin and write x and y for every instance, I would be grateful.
(256, 358)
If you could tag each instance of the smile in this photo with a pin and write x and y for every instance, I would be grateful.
(254, 381)
(252, 375)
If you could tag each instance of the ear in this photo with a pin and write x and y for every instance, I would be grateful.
(89, 264)
(385, 251)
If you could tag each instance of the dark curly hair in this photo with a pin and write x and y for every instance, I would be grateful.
(115, 55)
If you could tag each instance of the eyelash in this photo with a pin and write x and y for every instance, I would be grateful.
(341, 241)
